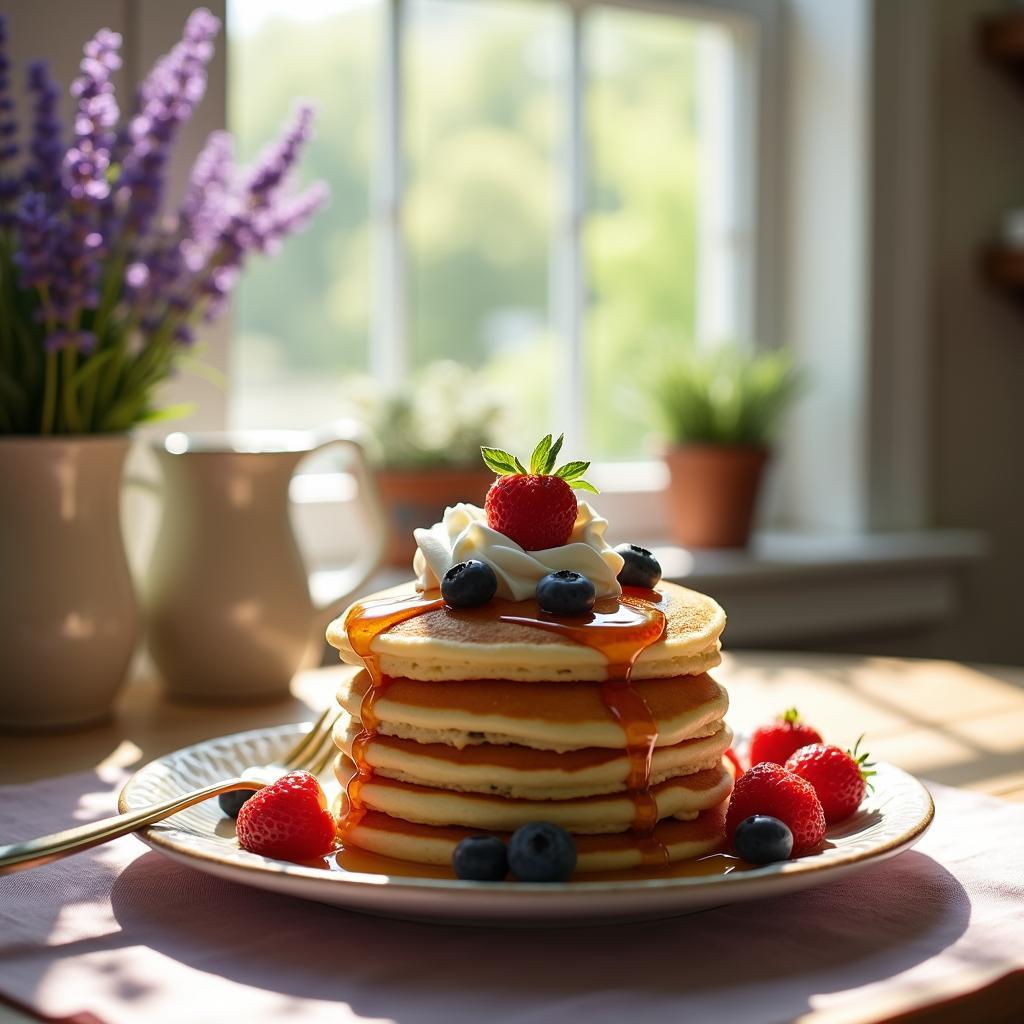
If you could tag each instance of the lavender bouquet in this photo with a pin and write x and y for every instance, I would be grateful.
(100, 289)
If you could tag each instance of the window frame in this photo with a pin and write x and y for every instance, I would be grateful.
(882, 429)
(756, 28)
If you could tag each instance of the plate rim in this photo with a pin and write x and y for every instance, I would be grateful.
(154, 837)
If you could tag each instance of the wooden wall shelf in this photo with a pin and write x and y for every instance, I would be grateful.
(1005, 267)
(1002, 39)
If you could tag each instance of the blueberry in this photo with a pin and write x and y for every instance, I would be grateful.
(640, 568)
(231, 803)
(480, 859)
(468, 584)
(566, 593)
(761, 839)
(541, 852)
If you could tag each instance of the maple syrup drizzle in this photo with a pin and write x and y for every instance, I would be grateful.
(619, 629)
(363, 624)
(621, 635)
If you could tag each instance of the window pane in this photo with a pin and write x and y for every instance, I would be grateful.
(302, 317)
(484, 95)
(660, 240)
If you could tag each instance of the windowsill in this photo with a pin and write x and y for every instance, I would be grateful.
(793, 588)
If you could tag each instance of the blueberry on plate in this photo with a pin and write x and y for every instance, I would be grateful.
(761, 839)
(231, 803)
(639, 567)
(480, 859)
(566, 593)
(541, 852)
(468, 584)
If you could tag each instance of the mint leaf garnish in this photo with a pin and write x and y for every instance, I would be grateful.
(501, 462)
(539, 458)
(553, 454)
(542, 463)
(572, 470)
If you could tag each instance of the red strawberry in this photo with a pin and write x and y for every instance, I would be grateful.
(839, 777)
(535, 508)
(288, 820)
(769, 789)
(777, 741)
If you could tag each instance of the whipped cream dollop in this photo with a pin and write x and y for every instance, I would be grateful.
(463, 533)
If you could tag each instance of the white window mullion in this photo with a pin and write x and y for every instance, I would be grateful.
(572, 283)
(389, 351)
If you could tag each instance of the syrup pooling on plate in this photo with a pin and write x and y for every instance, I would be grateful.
(619, 629)
(363, 624)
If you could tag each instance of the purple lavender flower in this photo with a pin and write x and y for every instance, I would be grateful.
(84, 176)
(8, 127)
(87, 161)
(167, 98)
(88, 205)
(289, 215)
(207, 195)
(42, 172)
(277, 160)
(37, 229)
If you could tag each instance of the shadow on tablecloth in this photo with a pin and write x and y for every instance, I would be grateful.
(732, 961)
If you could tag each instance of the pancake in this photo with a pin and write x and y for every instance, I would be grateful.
(486, 719)
(524, 772)
(430, 844)
(442, 645)
(684, 797)
(550, 716)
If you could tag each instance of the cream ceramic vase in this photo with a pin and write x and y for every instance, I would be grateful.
(230, 617)
(69, 621)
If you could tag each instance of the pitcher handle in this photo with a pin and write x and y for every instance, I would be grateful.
(348, 435)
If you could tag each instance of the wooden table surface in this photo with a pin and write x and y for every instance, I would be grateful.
(962, 725)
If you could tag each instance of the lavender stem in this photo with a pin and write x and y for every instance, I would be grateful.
(49, 394)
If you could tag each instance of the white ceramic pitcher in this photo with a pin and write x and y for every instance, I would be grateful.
(230, 617)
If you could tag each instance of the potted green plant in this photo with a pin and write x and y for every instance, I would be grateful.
(102, 287)
(426, 438)
(720, 411)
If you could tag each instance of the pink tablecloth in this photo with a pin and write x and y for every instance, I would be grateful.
(125, 935)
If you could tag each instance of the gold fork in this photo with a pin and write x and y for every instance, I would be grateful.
(313, 753)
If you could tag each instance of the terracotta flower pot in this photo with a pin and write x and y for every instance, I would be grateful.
(418, 497)
(712, 494)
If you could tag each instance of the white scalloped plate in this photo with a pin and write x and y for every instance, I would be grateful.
(891, 820)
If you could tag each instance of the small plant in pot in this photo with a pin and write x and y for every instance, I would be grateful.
(720, 411)
(427, 436)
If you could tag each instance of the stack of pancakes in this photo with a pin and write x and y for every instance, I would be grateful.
(479, 724)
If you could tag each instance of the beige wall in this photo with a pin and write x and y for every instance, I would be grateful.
(978, 368)
(971, 351)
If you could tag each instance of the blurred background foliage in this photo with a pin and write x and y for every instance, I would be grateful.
(484, 216)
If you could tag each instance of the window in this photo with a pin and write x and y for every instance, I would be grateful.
(552, 192)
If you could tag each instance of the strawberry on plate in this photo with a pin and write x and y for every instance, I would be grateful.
(536, 508)
(787, 734)
(768, 788)
(288, 819)
(839, 777)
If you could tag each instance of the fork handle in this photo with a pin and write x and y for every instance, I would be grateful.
(34, 852)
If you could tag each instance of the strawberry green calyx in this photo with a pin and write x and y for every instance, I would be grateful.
(790, 716)
(542, 463)
(864, 766)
